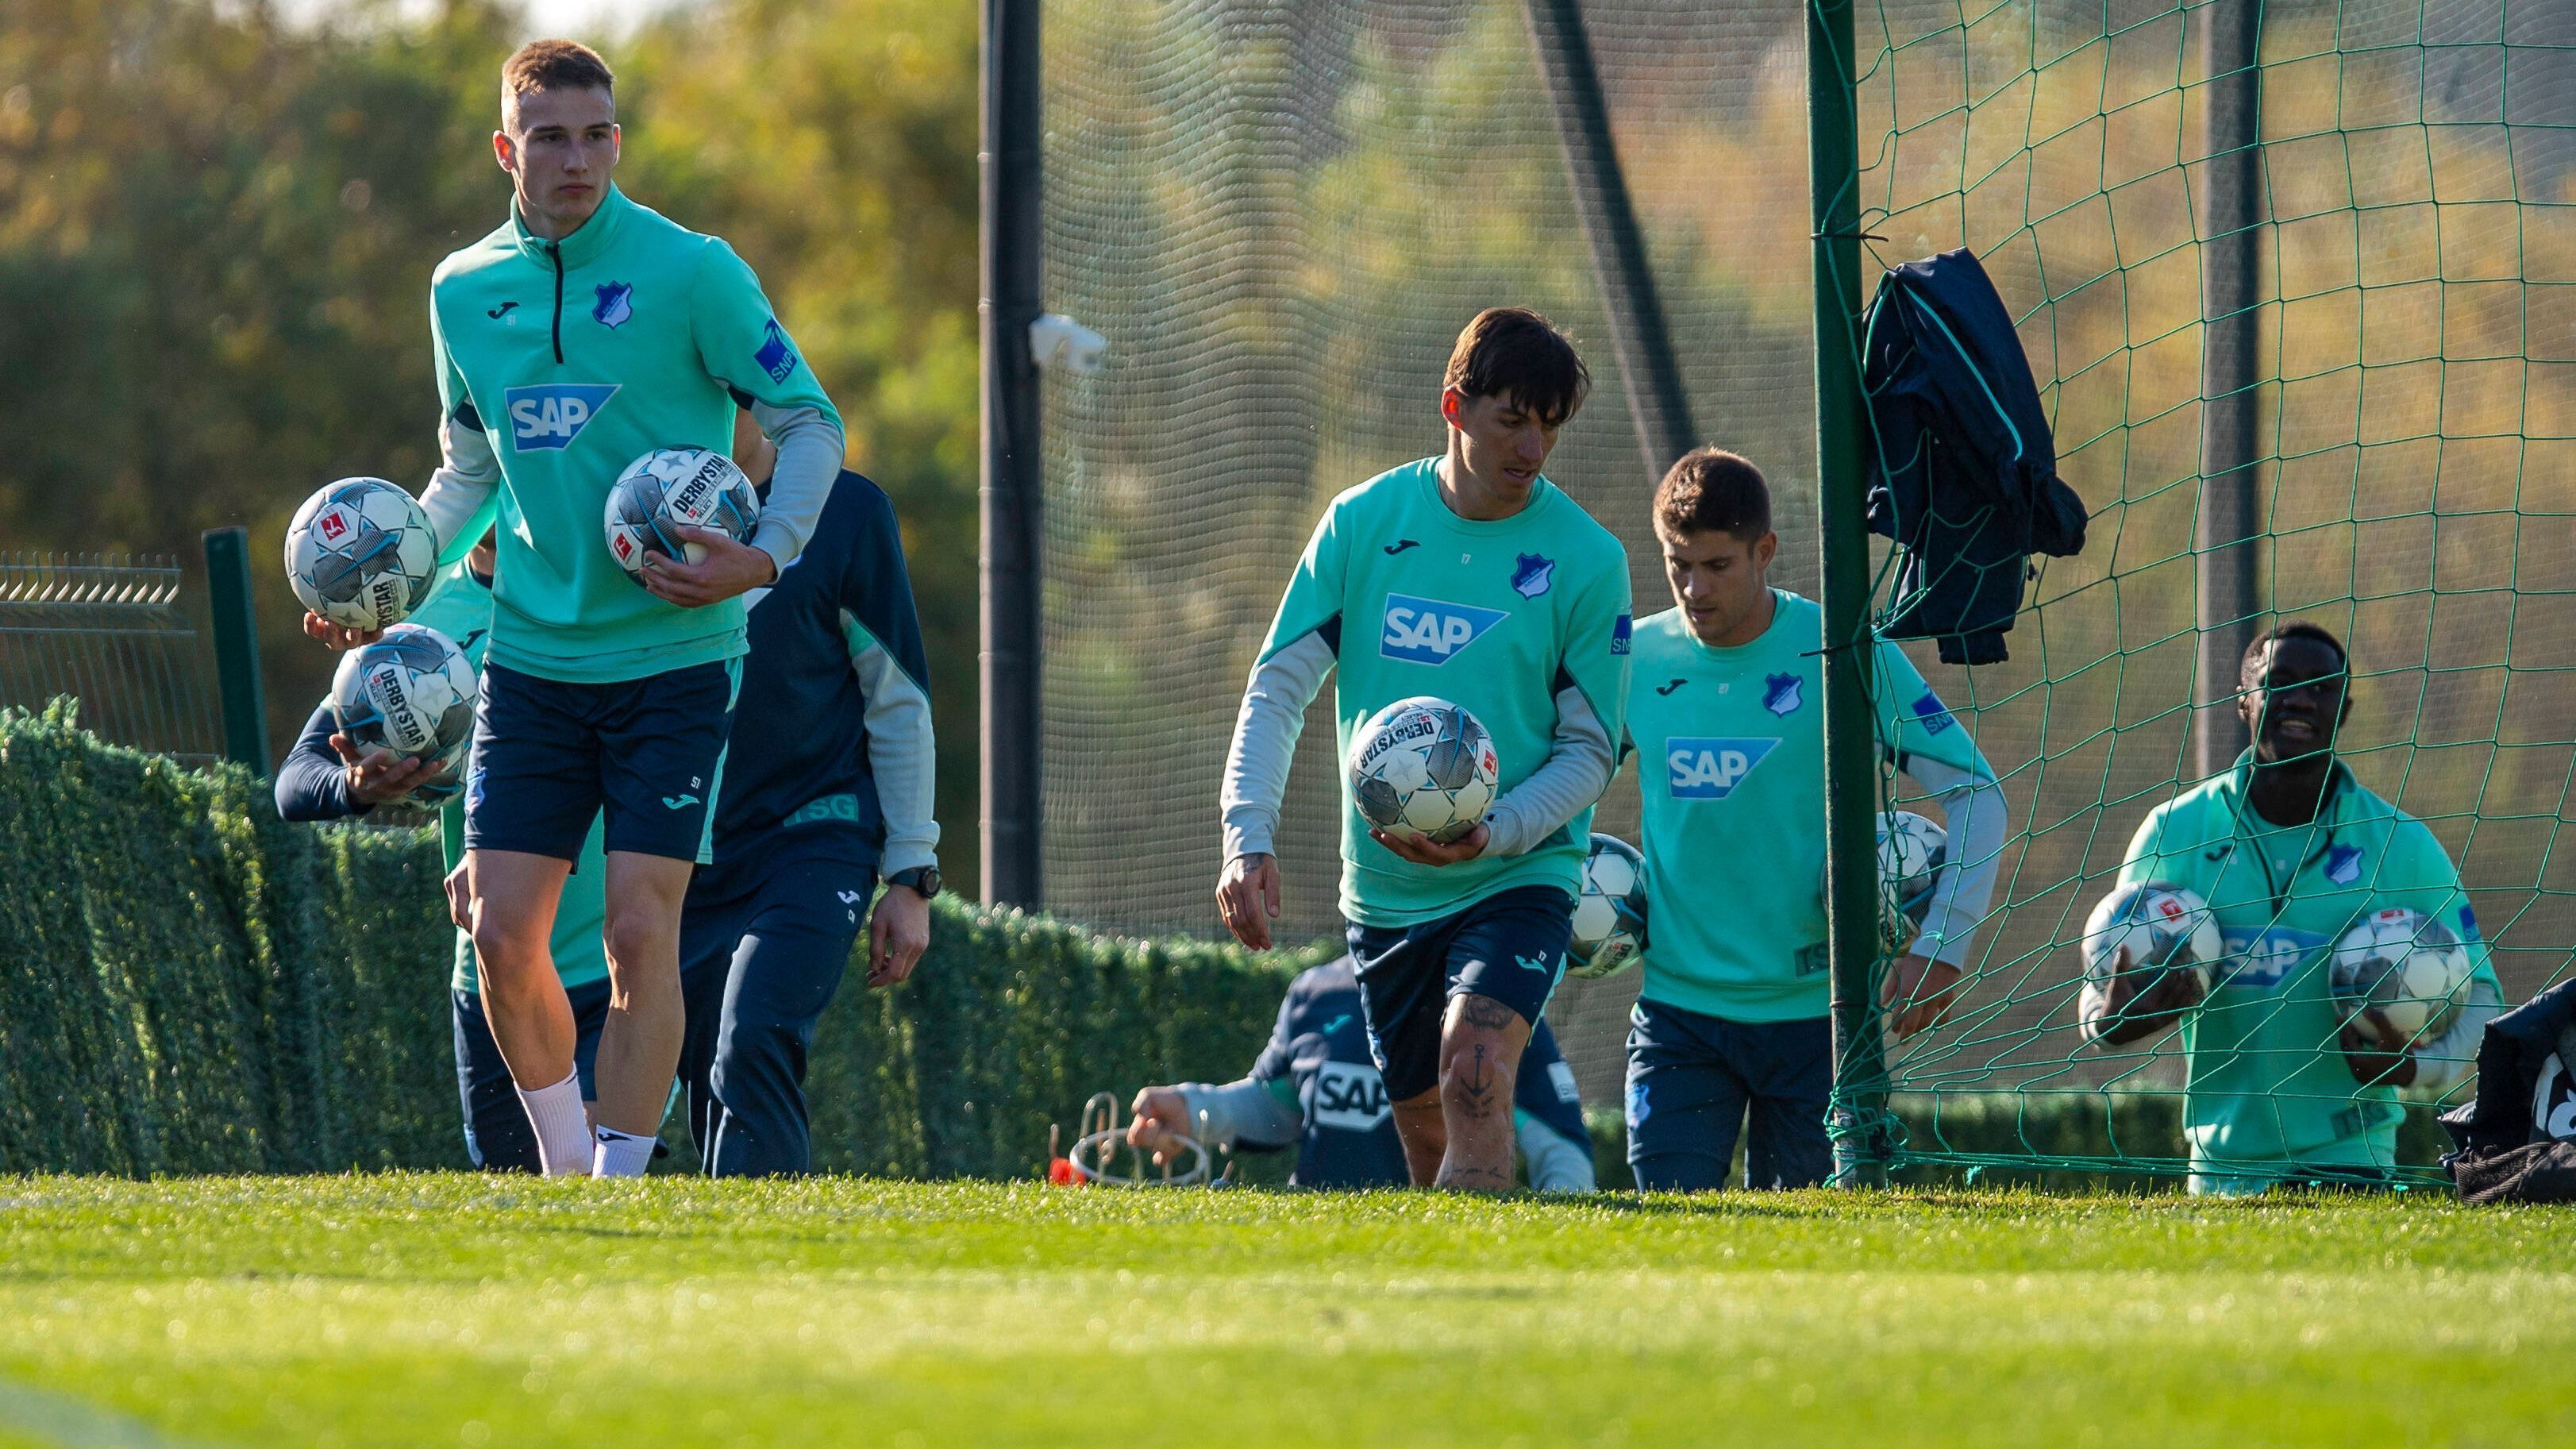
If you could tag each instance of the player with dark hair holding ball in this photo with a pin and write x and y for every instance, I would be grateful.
(582, 333)
(1726, 705)
(1472, 578)
(2289, 850)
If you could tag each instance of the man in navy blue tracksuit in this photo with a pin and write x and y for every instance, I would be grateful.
(827, 786)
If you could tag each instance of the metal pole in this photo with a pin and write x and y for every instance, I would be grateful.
(1657, 405)
(1851, 761)
(2231, 259)
(237, 647)
(1008, 495)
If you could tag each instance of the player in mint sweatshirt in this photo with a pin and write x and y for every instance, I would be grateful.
(582, 333)
(1472, 578)
(2290, 851)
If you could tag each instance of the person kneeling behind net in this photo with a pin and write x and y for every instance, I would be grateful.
(2289, 850)
(1315, 1087)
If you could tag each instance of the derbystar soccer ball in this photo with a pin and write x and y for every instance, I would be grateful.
(1609, 910)
(2405, 968)
(1911, 851)
(2165, 927)
(672, 487)
(1423, 768)
(412, 693)
(360, 553)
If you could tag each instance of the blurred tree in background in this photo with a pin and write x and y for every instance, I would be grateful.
(217, 229)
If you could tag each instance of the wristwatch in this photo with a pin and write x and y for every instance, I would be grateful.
(921, 880)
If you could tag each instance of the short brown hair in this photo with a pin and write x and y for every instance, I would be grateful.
(552, 65)
(1514, 353)
(1714, 491)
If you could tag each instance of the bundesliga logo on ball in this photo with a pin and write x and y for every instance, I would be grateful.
(360, 554)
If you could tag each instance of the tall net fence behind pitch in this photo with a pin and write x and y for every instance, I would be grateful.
(1280, 213)
(2418, 426)
(113, 633)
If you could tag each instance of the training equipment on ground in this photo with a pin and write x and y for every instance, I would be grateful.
(2164, 927)
(1609, 910)
(361, 553)
(671, 488)
(2398, 977)
(1096, 1155)
(413, 693)
(1423, 768)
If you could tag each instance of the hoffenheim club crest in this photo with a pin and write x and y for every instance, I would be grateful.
(616, 304)
(2343, 864)
(1531, 574)
(1781, 693)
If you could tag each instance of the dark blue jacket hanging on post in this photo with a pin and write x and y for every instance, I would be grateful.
(1965, 474)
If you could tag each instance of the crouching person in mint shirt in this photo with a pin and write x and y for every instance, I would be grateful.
(829, 785)
(1472, 578)
(1726, 710)
(2290, 851)
(1316, 1088)
(325, 777)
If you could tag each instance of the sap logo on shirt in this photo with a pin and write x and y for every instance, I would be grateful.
(1561, 1077)
(1350, 1096)
(1929, 713)
(2262, 962)
(1429, 631)
(546, 418)
(775, 357)
(1710, 769)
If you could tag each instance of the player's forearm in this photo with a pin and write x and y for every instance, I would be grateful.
(1555, 1164)
(1265, 742)
(1977, 811)
(1578, 768)
(1245, 1113)
(311, 783)
(810, 445)
(462, 483)
(902, 758)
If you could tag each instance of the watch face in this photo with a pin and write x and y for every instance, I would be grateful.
(924, 880)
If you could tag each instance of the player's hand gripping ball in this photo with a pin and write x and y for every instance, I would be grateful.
(1424, 768)
(2165, 928)
(2398, 976)
(411, 693)
(360, 554)
(1609, 910)
(672, 488)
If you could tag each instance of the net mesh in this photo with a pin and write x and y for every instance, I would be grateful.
(1279, 214)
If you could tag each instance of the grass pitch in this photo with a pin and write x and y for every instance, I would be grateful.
(448, 1310)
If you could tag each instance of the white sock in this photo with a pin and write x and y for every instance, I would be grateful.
(563, 1126)
(620, 1154)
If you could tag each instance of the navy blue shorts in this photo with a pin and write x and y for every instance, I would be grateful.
(647, 753)
(758, 966)
(1509, 946)
(497, 1135)
(1694, 1079)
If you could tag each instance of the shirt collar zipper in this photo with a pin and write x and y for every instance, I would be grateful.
(554, 249)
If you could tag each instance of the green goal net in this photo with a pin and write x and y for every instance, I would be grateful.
(2413, 421)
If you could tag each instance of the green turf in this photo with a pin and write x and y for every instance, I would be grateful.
(459, 1311)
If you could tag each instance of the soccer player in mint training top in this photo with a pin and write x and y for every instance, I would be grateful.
(1472, 578)
(580, 334)
(1726, 708)
(2290, 851)
(326, 777)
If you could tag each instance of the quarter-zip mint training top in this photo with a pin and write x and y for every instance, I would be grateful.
(559, 363)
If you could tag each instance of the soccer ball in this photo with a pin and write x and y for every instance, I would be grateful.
(2165, 927)
(413, 693)
(1423, 768)
(1911, 851)
(360, 553)
(2404, 966)
(675, 487)
(1609, 910)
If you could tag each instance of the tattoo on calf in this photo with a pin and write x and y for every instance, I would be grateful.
(1474, 1088)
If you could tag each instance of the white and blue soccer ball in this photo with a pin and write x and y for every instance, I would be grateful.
(671, 488)
(361, 554)
(1609, 910)
(411, 693)
(2402, 968)
(2165, 928)
(1423, 768)
(1912, 849)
